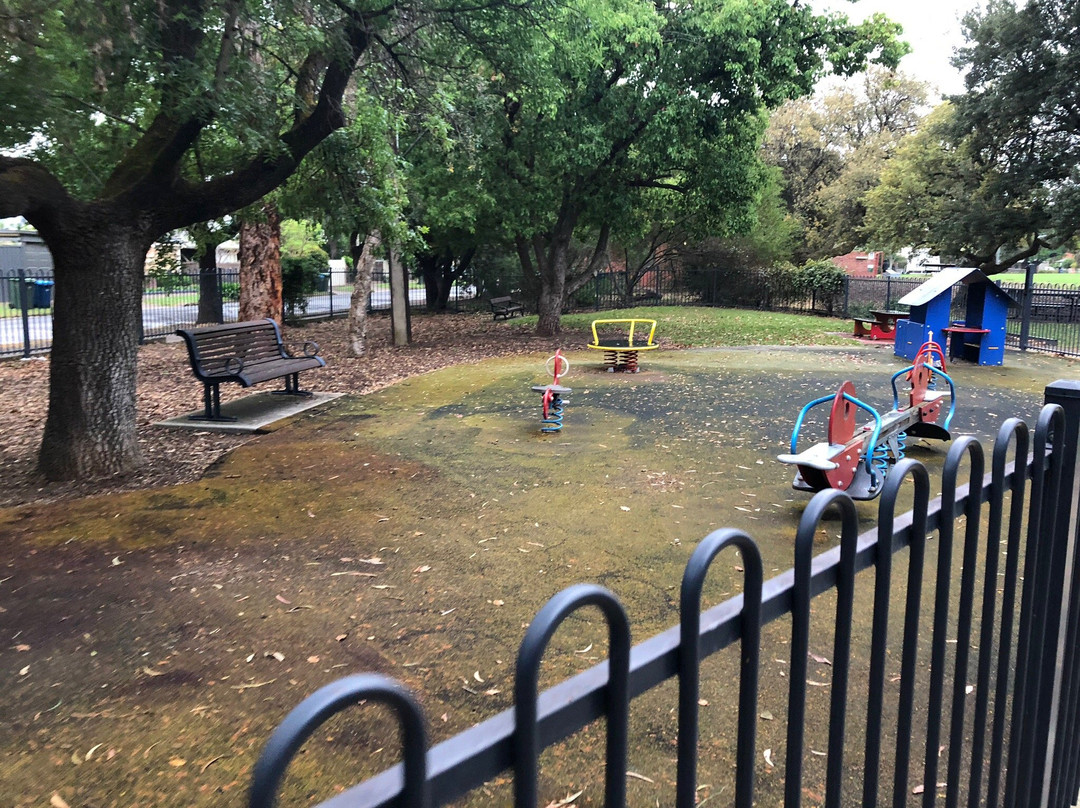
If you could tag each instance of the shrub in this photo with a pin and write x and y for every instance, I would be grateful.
(301, 276)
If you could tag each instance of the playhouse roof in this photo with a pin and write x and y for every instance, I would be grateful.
(944, 281)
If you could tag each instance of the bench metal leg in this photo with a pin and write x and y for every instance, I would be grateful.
(292, 387)
(211, 405)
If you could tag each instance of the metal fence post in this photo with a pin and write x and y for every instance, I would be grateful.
(24, 307)
(1025, 309)
(847, 294)
(1061, 535)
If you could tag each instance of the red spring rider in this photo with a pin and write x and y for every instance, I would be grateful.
(553, 394)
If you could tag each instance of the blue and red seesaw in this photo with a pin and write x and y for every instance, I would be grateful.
(857, 459)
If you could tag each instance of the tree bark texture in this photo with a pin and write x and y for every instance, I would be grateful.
(260, 268)
(550, 257)
(98, 276)
(210, 303)
(363, 255)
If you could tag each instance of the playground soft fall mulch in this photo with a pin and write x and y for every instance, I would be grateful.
(158, 629)
(166, 388)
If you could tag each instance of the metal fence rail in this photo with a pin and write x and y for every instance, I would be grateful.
(1015, 746)
(1053, 318)
(26, 305)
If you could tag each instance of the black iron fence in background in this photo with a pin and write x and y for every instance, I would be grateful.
(985, 709)
(1053, 323)
(172, 303)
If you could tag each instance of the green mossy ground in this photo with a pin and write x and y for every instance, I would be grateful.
(415, 532)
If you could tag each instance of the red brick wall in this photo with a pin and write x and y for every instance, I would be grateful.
(860, 264)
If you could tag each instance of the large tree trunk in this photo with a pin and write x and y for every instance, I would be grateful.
(363, 255)
(260, 268)
(551, 255)
(550, 302)
(210, 305)
(98, 275)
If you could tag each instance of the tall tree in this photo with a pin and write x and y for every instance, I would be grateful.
(138, 117)
(260, 265)
(831, 150)
(618, 99)
(1020, 119)
(993, 177)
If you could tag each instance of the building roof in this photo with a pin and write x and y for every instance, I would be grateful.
(945, 280)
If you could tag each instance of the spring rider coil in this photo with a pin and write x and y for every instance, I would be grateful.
(554, 394)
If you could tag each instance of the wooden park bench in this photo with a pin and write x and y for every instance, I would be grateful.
(244, 353)
(505, 307)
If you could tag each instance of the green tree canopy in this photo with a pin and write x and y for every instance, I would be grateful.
(831, 150)
(994, 177)
(122, 120)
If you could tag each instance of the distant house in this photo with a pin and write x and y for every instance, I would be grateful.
(861, 264)
(228, 255)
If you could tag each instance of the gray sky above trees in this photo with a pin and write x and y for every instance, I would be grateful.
(933, 29)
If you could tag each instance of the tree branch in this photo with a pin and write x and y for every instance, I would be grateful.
(222, 195)
(30, 190)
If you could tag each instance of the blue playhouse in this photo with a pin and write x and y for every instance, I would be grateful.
(979, 337)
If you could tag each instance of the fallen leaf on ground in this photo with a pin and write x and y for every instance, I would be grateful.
(569, 798)
(56, 801)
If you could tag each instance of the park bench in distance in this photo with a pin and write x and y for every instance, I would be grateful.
(245, 353)
(505, 307)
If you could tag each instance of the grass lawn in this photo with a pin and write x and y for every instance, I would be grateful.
(1044, 278)
(7, 310)
(706, 327)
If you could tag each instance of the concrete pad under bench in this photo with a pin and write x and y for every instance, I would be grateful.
(260, 412)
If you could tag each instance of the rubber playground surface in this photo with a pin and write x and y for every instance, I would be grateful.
(414, 532)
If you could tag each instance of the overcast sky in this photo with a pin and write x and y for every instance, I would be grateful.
(932, 27)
